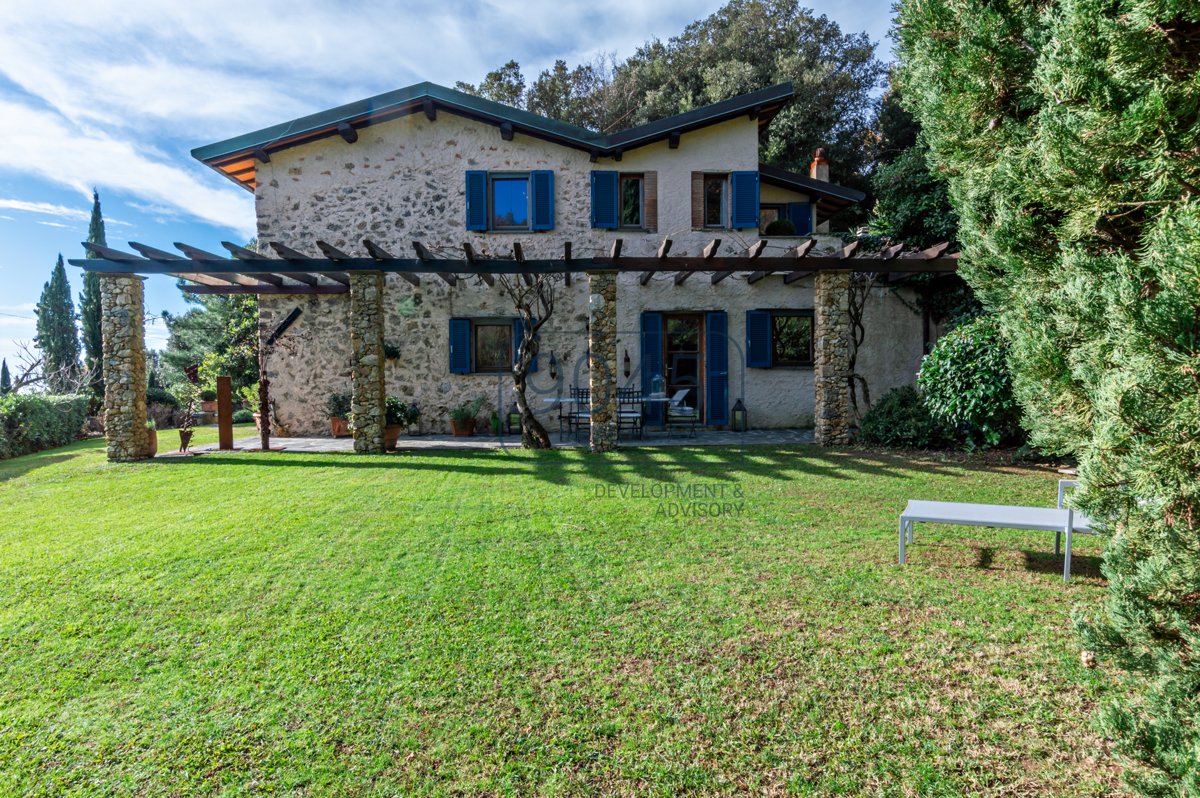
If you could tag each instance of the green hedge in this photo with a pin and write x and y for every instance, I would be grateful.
(32, 422)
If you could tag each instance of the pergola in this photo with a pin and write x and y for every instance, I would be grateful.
(362, 277)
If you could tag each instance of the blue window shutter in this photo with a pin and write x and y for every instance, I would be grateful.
(518, 336)
(758, 339)
(604, 200)
(716, 366)
(744, 190)
(542, 188)
(460, 346)
(652, 361)
(477, 213)
(800, 213)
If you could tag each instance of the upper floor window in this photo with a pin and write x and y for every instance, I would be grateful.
(630, 211)
(510, 201)
(509, 195)
(714, 200)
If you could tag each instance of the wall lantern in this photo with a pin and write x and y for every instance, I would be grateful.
(553, 366)
(628, 367)
(739, 417)
(514, 419)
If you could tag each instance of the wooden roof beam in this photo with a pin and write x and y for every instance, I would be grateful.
(424, 256)
(469, 251)
(347, 132)
(710, 251)
(663, 249)
(752, 253)
(379, 253)
(519, 257)
(801, 252)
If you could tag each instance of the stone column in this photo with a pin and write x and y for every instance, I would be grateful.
(602, 365)
(123, 331)
(366, 345)
(832, 357)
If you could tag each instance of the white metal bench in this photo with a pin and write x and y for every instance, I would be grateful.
(1062, 521)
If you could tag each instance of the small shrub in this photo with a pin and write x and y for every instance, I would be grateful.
(966, 383)
(33, 422)
(243, 417)
(780, 227)
(400, 414)
(161, 396)
(338, 405)
(208, 395)
(901, 419)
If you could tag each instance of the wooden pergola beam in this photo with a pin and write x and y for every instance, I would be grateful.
(469, 251)
(379, 253)
(709, 252)
(424, 256)
(663, 249)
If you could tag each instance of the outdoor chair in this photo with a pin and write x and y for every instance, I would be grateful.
(630, 412)
(680, 414)
(580, 416)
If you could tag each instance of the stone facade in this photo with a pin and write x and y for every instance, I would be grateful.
(602, 363)
(367, 356)
(122, 328)
(831, 334)
(403, 180)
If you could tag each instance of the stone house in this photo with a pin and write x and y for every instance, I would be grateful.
(441, 167)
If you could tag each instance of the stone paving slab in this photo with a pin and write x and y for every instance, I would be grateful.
(777, 437)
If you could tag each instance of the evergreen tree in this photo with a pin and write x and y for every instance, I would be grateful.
(89, 305)
(5, 379)
(1067, 130)
(57, 335)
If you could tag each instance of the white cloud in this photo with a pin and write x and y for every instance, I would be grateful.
(45, 208)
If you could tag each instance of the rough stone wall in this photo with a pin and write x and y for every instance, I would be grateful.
(366, 345)
(404, 180)
(832, 358)
(122, 328)
(602, 308)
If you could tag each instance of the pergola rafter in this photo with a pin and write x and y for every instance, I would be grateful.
(295, 272)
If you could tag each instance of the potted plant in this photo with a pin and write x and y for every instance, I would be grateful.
(462, 418)
(249, 396)
(495, 422)
(188, 394)
(337, 407)
(399, 416)
(208, 400)
(152, 435)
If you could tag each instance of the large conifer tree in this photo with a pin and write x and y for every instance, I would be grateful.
(89, 305)
(1070, 134)
(57, 336)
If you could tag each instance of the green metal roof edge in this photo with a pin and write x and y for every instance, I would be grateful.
(782, 177)
(470, 105)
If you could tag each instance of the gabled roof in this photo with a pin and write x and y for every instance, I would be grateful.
(830, 197)
(237, 158)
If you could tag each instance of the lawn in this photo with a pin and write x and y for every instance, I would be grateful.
(514, 623)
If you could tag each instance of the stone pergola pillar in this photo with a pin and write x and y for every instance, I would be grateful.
(602, 365)
(367, 409)
(832, 357)
(123, 332)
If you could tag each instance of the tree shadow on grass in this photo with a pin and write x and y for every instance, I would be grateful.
(20, 466)
(635, 465)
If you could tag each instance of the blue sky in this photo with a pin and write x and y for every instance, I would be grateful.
(113, 94)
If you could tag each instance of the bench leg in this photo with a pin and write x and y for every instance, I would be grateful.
(1057, 543)
(904, 532)
(1067, 556)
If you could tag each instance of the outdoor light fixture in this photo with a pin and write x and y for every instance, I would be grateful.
(739, 416)
(553, 366)
(627, 365)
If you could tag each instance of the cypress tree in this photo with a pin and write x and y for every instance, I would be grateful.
(1068, 130)
(89, 305)
(5, 379)
(57, 336)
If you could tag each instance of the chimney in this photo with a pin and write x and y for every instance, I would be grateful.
(819, 169)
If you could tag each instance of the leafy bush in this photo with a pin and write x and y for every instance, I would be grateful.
(208, 395)
(780, 227)
(901, 419)
(161, 396)
(243, 417)
(338, 405)
(33, 422)
(966, 383)
(400, 414)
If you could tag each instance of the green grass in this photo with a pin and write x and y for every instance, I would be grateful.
(466, 623)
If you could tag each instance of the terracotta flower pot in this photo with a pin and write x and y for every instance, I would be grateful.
(208, 407)
(257, 421)
(339, 427)
(463, 429)
(153, 436)
(391, 435)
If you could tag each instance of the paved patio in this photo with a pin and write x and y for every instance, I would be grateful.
(777, 437)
